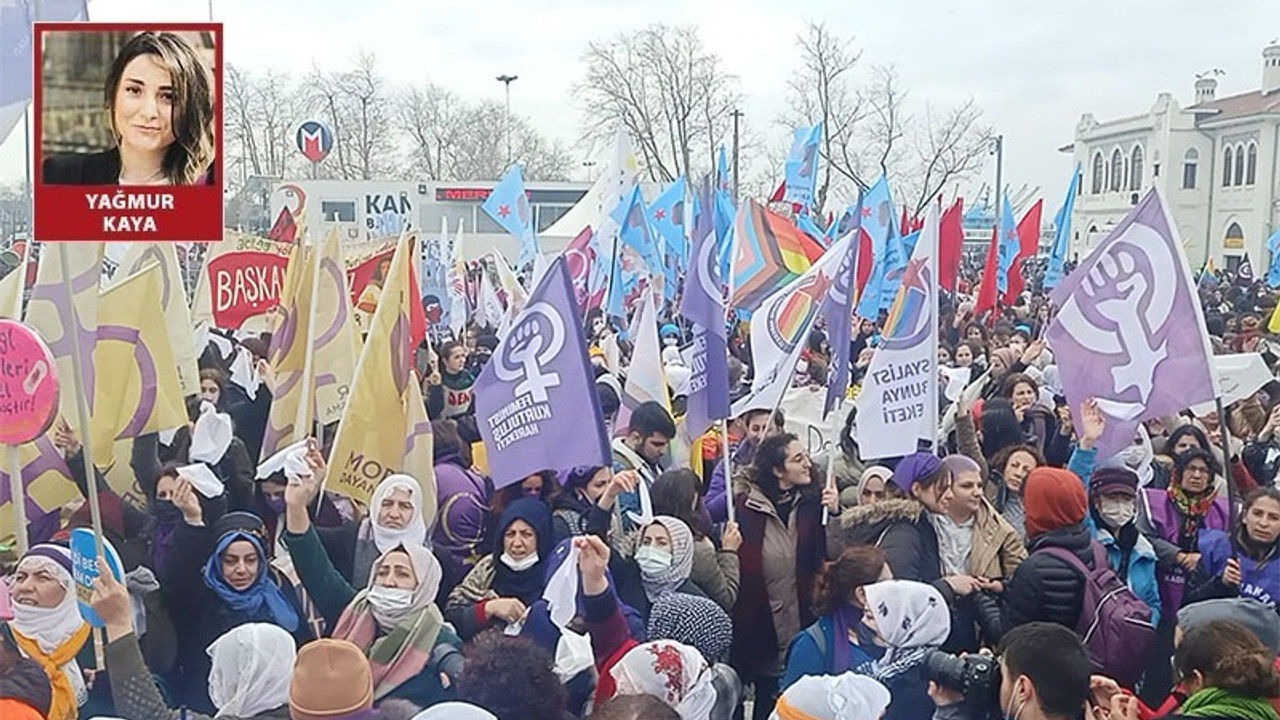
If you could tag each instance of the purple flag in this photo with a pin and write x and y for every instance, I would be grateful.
(837, 311)
(1130, 331)
(536, 401)
(703, 304)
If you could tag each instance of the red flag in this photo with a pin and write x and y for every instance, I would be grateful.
(780, 193)
(284, 229)
(905, 225)
(950, 245)
(866, 261)
(987, 294)
(417, 313)
(1029, 245)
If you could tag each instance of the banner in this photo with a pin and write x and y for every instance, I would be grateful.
(536, 401)
(646, 377)
(803, 410)
(241, 279)
(50, 313)
(173, 295)
(1129, 331)
(898, 402)
(702, 302)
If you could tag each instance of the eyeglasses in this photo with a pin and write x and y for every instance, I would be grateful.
(1196, 470)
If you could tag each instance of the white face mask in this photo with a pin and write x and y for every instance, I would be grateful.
(1116, 513)
(1134, 456)
(389, 599)
(518, 565)
(652, 560)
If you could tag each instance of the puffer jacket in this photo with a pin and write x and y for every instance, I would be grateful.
(1044, 587)
(901, 528)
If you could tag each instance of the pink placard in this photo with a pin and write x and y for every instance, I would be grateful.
(28, 384)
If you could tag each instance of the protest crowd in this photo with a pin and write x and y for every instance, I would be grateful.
(592, 536)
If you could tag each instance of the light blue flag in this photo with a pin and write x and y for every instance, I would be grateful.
(901, 249)
(805, 222)
(802, 166)
(880, 224)
(725, 216)
(1273, 273)
(666, 215)
(634, 230)
(1062, 236)
(1007, 249)
(16, 50)
(723, 183)
(508, 205)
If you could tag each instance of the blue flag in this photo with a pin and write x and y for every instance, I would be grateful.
(802, 166)
(900, 251)
(1008, 247)
(666, 215)
(837, 311)
(1062, 234)
(536, 402)
(1273, 273)
(508, 205)
(703, 305)
(880, 224)
(633, 229)
(723, 183)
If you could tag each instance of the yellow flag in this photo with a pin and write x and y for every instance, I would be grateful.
(335, 342)
(46, 479)
(11, 293)
(287, 355)
(177, 317)
(1273, 325)
(137, 390)
(384, 429)
(516, 295)
(50, 314)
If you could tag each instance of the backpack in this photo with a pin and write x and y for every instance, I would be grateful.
(1115, 625)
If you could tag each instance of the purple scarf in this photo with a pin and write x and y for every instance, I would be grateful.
(843, 620)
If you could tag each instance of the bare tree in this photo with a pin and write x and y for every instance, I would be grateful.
(432, 119)
(943, 148)
(666, 89)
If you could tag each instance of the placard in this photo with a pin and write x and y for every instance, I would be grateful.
(148, 166)
(28, 384)
(84, 570)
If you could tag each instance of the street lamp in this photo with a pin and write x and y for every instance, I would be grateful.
(506, 80)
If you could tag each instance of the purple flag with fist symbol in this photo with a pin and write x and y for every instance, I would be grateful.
(536, 401)
(1130, 331)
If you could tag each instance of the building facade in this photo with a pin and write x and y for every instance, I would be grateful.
(1216, 160)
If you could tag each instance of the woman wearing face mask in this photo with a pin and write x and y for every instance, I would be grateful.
(502, 586)
(1112, 522)
(47, 627)
(235, 585)
(663, 560)
(910, 620)
(780, 510)
(1244, 562)
(840, 640)
(715, 572)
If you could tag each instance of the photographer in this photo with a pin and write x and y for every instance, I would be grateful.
(1031, 685)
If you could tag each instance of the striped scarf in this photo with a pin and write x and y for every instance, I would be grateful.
(400, 654)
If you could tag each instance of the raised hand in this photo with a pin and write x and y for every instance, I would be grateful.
(1094, 423)
(593, 563)
(185, 499)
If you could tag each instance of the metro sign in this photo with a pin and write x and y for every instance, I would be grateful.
(462, 194)
(314, 140)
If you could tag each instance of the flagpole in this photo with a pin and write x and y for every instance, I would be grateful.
(18, 496)
(831, 457)
(1233, 490)
(728, 313)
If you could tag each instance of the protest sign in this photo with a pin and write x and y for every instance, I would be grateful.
(84, 570)
(28, 384)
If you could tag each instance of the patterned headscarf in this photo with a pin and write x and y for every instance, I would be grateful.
(655, 586)
(694, 621)
(674, 673)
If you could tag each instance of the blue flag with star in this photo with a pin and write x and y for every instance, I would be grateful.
(880, 223)
(666, 215)
(508, 205)
(1008, 248)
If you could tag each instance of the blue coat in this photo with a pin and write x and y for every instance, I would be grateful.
(1260, 581)
(804, 657)
(1142, 558)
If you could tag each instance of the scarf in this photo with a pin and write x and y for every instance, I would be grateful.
(1192, 510)
(674, 673)
(1216, 702)
(525, 585)
(387, 538)
(655, 586)
(847, 618)
(955, 542)
(409, 634)
(262, 595)
(60, 665)
(250, 670)
(912, 618)
(54, 636)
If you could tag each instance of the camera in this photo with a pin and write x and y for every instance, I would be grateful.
(977, 677)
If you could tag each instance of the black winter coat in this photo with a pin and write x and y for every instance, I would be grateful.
(902, 529)
(1045, 588)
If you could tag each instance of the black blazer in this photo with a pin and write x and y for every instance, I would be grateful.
(100, 168)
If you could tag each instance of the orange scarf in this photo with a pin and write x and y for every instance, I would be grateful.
(64, 705)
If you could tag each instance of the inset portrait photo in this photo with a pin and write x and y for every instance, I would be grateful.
(129, 130)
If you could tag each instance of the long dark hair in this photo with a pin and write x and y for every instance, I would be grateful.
(770, 460)
(193, 148)
(1000, 427)
(676, 493)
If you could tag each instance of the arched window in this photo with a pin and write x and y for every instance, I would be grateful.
(1239, 177)
(1234, 239)
(1098, 173)
(1189, 163)
(1117, 171)
(1251, 172)
(1135, 171)
(1227, 157)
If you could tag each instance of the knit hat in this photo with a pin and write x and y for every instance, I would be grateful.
(56, 553)
(1053, 498)
(331, 680)
(914, 468)
(1113, 481)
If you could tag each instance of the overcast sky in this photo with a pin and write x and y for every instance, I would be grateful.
(1033, 67)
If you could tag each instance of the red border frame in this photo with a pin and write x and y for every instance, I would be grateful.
(62, 212)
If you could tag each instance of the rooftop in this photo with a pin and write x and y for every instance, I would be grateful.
(1238, 106)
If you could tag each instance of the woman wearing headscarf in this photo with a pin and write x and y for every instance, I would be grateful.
(463, 497)
(910, 620)
(784, 545)
(397, 516)
(839, 641)
(676, 674)
(872, 486)
(250, 671)
(715, 569)
(837, 697)
(47, 627)
(394, 619)
(503, 584)
(662, 563)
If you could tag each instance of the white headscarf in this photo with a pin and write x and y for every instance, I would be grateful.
(415, 533)
(51, 627)
(833, 697)
(454, 711)
(909, 617)
(429, 573)
(675, 674)
(1137, 456)
(252, 669)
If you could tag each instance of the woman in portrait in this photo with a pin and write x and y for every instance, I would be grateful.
(160, 102)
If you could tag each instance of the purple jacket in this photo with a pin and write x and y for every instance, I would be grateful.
(1166, 520)
(1260, 580)
(460, 521)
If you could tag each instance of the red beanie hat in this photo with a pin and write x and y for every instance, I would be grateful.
(1054, 498)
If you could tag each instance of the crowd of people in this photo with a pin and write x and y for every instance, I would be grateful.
(1009, 572)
